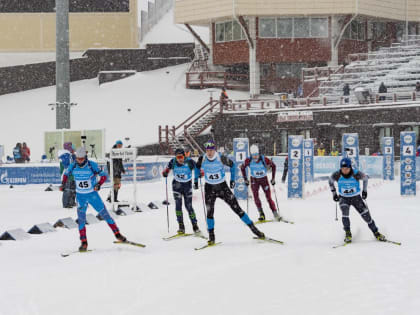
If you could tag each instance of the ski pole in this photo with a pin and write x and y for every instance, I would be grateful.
(204, 204)
(167, 202)
(336, 218)
(277, 202)
(247, 199)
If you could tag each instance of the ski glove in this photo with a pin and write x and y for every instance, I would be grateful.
(232, 184)
(335, 197)
(364, 195)
(246, 181)
(97, 187)
(273, 181)
(165, 172)
(196, 185)
(61, 188)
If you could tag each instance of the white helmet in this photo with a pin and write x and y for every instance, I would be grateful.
(254, 149)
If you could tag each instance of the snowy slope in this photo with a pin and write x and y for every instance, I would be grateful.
(154, 97)
(242, 276)
(166, 31)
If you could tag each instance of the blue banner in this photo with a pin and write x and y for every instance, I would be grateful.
(295, 178)
(145, 171)
(240, 153)
(408, 163)
(308, 145)
(350, 148)
(388, 158)
(30, 175)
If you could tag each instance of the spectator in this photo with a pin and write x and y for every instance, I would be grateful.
(118, 169)
(26, 152)
(334, 151)
(17, 153)
(418, 87)
(321, 150)
(223, 97)
(300, 91)
(382, 89)
(346, 92)
(67, 157)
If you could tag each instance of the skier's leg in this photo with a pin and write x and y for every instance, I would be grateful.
(177, 191)
(82, 205)
(255, 186)
(267, 191)
(360, 206)
(188, 194)
(226, 194)
(345, 210)
(210, 199)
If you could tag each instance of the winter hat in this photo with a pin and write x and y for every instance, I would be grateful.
(210, 145)
(67, 146)
(81, 152)
(254, 150)
(346, 162)
(119, 142)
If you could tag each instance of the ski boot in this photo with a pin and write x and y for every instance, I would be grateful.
(262, 215)
(196, 229)
(181, 229)
(120, 237)
(116, 196)
(380, 237)
(276, 215)
(347, 238)
(212, 238)
(257, 232)
(83, 246)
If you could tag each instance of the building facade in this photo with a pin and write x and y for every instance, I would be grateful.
(273, 40)
(29, 25)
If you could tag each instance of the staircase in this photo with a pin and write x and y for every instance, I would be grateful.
(201, 57)
(184, 135)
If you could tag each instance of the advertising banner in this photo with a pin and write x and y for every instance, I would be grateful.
(240, 152)
(295, 178)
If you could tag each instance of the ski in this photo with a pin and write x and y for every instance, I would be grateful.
(130, 243)
(75, 252)
(176, 236)
(270, 240)
(385, 241)
(207, 245)
(273, 220)
(341, 245)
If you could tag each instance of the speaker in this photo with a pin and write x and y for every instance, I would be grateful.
(14, 235)
(68, 223)
(124, 211)
(41, 228)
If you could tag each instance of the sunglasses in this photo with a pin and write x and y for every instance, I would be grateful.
(180, 156)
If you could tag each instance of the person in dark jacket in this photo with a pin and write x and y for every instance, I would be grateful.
(17, 153)
(224, 97)
(346, 92)
(418, 87)
(118, 170)
(382, 89)
(285, 169)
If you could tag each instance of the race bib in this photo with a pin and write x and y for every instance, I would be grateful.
(84, 184)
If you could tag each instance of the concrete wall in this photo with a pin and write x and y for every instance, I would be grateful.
(36, 31)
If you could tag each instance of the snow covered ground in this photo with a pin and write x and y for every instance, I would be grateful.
(242, 276)
(154, 98)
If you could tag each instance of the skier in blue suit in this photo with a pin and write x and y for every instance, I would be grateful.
(85, 174)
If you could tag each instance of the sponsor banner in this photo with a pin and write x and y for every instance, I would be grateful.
(308, 148)
(295, 178)
(144, 171)
(408, 163)
(388, 158)
(295, 116)
(29, 175)
(240, 153)
(350, 148)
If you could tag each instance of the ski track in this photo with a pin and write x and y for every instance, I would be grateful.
(241, 276)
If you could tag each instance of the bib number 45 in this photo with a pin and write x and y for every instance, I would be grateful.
(84, 184)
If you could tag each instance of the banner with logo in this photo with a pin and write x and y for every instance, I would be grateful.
(350, 148)
(408, 163)
(388, 158)
(240, 152)
(308, 145)
(144, 171)
(295, 178)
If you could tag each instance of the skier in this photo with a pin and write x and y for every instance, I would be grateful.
(212, 167)
(348, 195)
(118, 169)
(258, 165)
(182, 187)
(66, 157)
(87, 187)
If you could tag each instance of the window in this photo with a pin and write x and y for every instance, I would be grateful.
(229, 31)
(285, 28)
(379, 29)
(293, 27)
(220, 32)
(45, 6)
(267, 27)
(355, 31)
(284, 70)
(301, 27)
